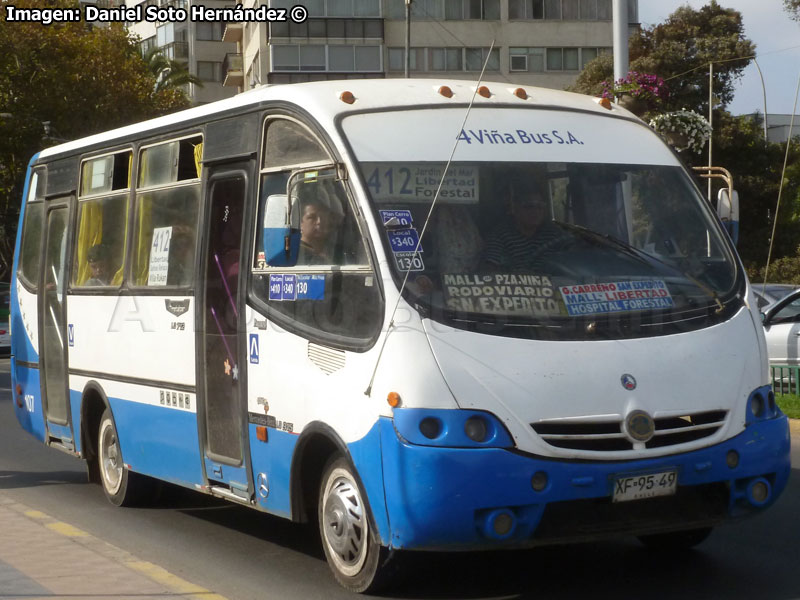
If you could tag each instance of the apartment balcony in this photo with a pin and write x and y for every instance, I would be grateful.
(176, 51)
(233, 32)
(233, 70)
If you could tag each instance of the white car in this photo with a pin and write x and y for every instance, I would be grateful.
(770, 293)
(781, 321)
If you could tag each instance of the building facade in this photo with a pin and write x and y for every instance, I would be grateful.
(535, 42)
(197, 44)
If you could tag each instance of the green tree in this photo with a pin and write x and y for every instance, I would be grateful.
(793, 8)
(679, 50)
(167, 72)
(79, 79)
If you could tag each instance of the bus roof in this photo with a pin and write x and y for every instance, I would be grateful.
(322, 100)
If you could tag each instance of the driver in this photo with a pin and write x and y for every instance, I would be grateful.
(519, 243)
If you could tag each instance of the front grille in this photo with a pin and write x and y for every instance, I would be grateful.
(608, 435)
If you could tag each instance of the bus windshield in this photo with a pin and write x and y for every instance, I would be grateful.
(540, 244)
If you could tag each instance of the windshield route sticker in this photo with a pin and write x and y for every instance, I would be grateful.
(391, 182)
(397, 218)
(617, 296)
(501, 294)
(284, 287)
(406, 249)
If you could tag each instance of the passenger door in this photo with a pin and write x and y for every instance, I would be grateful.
(54, 334)
(221, 381)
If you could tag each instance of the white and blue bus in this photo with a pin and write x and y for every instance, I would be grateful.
(520, 322)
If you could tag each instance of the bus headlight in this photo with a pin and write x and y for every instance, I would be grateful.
(761, 405)
(451, 428)
(476, 429)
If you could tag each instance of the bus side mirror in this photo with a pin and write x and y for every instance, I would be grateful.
(281, 241)
(728, 211)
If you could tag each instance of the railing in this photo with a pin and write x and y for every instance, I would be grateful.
(786, 379)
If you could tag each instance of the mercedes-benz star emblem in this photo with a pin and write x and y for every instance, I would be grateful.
(628, 382)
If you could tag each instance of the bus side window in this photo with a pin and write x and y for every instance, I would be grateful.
(165, 236)
(102, 220)
(31, 239)
(100, 246)
(165, 225)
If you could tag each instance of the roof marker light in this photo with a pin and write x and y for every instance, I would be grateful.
(604, 102)
(446, 91)
(393, 399)
(484, 91)
(520, 93)
(347, 97)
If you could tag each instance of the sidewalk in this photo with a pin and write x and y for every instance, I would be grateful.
(42, 558)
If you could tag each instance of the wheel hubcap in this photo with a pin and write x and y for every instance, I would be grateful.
(110, 459)
(345, 525)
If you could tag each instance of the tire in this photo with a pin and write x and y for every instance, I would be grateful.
(358, 562)
(676, 540)
(121, 486)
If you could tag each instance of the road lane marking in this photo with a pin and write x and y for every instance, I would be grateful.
(66, 529)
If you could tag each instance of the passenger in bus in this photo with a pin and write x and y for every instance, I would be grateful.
(521, 243)
(317, 222)
(99, 257)
(181, 256)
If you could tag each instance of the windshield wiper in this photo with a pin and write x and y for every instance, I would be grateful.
(641, 255)
(607, 240)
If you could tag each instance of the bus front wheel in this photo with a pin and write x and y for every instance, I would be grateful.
(358, 562)
(121, 487)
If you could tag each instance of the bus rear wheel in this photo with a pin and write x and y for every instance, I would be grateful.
(358, 562)
(121, 487)
(676, 540)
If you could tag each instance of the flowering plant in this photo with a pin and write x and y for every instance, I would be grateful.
(641, 86)
(683, 129)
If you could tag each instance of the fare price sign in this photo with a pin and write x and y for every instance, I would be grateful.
(406, 249)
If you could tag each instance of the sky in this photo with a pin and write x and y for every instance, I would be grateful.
(777, 40)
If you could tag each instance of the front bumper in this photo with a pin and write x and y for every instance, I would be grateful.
(450, 498)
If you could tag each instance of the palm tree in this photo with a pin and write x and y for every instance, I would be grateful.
(169, 73)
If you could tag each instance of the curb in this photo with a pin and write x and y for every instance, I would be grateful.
(168, 584)
(794, 427)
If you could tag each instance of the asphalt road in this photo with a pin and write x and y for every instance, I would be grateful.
(245, 555)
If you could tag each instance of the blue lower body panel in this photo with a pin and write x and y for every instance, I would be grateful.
(28, 407)
(448, 498)
(273, 458)
(158, 441)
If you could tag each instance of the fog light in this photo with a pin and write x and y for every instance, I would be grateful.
(499, 524)
(430, 427)
(757, 405)
(539, 481)
(758, 492)
(732, 459)
(475, 428)
(502, 524)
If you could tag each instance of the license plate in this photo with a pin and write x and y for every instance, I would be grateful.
(648, 485)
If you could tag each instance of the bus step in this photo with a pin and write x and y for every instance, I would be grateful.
(234, 495)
